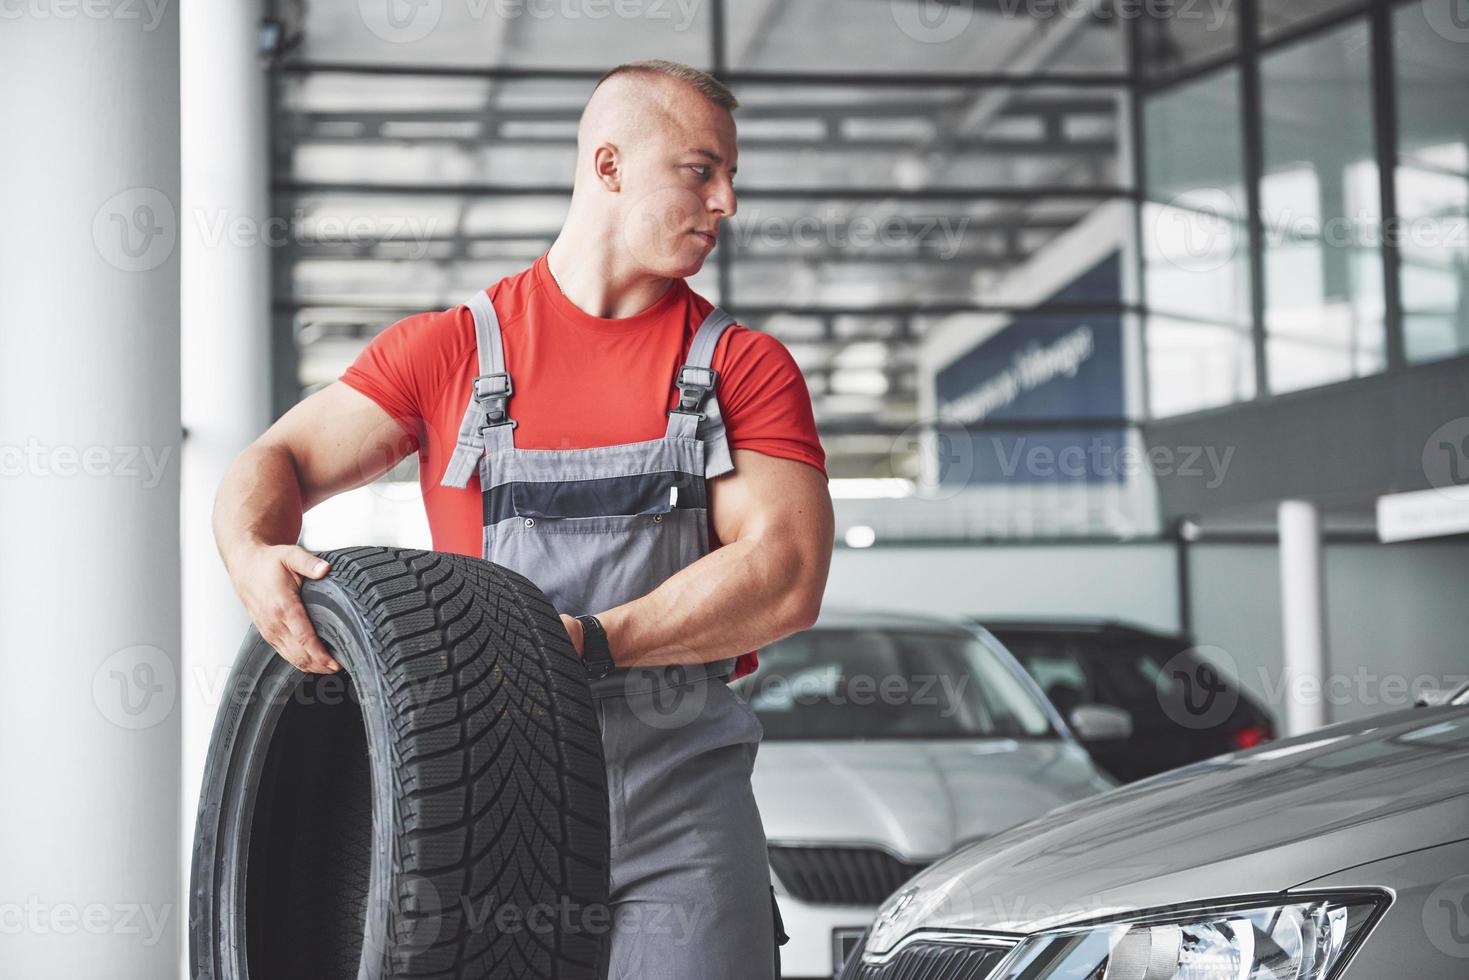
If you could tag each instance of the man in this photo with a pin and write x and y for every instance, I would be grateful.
(653, 467)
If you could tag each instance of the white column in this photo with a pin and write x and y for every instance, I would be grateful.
(89, 479)
(226, 337)
(1303, 608)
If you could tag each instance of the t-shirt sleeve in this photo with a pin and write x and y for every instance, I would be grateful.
(764, 400)
(404, 365)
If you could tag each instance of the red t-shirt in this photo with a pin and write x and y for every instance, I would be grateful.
(580, 381)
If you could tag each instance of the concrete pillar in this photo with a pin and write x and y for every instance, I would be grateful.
(1303, 607)
(224, 241)
(89, 481)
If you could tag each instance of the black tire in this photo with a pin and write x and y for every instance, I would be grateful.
(437, 810)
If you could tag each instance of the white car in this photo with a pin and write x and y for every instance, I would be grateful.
(890, 741)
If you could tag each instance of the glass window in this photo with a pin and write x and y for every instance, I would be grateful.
(1177, 37)
(921, 36)
(1192, 366)
(1277, 17)
(834, 683)
(1321, 210)
(1433, 177)
(1195, 248)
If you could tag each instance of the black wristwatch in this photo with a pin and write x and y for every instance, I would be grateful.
(596, 655)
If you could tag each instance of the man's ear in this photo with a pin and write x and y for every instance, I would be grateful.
(607, 165)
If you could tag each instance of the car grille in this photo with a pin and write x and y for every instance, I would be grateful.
(840, 875)
(928, 960)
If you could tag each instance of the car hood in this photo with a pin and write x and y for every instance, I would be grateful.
(919, 799)
(1256, 822)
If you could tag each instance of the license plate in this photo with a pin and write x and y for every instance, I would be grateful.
(844, 943)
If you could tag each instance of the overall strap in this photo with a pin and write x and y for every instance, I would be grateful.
(697, 413)
(489, 399)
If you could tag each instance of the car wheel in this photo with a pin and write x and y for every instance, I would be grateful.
(436, 810)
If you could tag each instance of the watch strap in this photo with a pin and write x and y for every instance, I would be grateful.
(596, 655)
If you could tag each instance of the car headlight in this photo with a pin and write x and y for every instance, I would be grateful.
(1302, 940)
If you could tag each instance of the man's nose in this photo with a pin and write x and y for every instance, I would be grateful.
(722, 201)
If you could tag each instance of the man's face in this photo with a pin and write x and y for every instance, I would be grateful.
(677, 188)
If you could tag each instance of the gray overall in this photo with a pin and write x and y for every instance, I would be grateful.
(596, 528)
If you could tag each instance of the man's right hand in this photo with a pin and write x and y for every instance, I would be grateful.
(268, 581)
(331, 442)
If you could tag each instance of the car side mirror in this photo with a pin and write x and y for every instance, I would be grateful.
(1100, 723)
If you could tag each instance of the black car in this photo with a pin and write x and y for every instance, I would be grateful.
(1184, 707)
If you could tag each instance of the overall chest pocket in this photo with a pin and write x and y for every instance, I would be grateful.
(633, 495)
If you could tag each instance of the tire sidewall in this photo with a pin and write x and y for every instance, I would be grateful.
(260, 687)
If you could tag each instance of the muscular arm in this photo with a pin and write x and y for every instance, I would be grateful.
(775, 519)
(336, 440)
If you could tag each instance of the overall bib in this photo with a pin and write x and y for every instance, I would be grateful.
(595, 528)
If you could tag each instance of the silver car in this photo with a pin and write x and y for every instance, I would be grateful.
(1338, 855)
(889, 742)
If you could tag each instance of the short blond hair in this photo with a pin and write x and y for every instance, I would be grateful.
(707, 85)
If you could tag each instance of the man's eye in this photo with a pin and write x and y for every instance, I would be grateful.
(700, 169)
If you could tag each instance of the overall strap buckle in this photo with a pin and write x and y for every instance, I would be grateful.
(492, 392)
(694, 385)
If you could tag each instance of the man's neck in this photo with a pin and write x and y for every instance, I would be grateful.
(596, 280)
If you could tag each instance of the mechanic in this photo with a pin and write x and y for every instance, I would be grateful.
(596, 425)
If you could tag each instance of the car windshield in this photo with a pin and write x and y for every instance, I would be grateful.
(829, 683)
